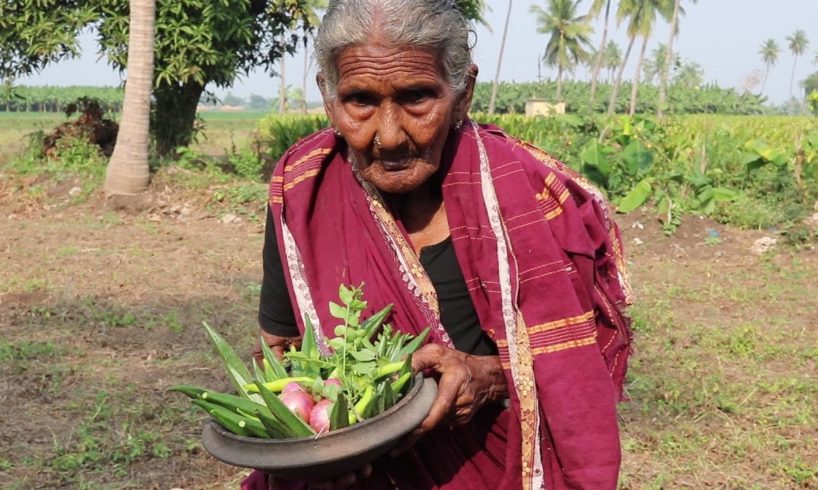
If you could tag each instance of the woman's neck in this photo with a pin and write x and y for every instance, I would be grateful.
(422, 214)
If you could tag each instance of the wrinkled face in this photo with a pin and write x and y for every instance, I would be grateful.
(395, 109)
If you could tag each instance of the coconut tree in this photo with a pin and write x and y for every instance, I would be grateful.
(798, 43)
(674, 31)
(611, 59)
(311, 9)
(689, 75)
(641, 17)
(646, 22)
(769, 55)
(655, 65)
(128, 172)
(569, 33)
(596, 9)
(621, 14)
(496, 81)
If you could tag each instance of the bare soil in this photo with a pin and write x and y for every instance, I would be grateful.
(101, 306)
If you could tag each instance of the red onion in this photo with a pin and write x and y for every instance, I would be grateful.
(299, 403)
(319, 416)
(333, 382)
(292, 387)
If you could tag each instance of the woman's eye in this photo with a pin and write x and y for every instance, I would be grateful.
(361, 100)
(416, 97)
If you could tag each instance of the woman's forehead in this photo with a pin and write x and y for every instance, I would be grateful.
(368, 60)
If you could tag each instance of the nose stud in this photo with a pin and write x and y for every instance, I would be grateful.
(377, 142)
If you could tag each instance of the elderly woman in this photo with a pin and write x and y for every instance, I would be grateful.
(510, 257)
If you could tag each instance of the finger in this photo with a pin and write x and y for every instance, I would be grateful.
(427, 357)
(447, 391)
(278, 351)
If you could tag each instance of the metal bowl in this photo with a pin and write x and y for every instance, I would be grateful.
(331, 454)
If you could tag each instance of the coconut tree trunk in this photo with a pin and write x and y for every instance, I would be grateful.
(599, 55)
(618, 81)
(304, 78)
(128, 172)
(493, 99)
(635, 85)
(766, 74)
(660, 105)
(282, 91)
(792, 77)
(559, 83)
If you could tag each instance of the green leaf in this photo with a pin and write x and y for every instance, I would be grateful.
(337, 311)
(363, 355)
(638, 160)
(309, 346)
(339, 416)
(364, 368)
(596, 154)
(345, 294)
(636, 197)
(722, 194)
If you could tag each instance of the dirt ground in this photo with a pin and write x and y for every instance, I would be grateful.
(100, 312)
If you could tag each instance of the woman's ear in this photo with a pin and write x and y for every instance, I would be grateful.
(322, 86)
(463, 104)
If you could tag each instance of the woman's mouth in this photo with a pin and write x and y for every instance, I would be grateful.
(395, 165)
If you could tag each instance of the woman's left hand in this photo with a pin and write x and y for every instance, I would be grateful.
(466, 383)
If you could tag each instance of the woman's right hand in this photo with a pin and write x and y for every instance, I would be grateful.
(277, 344)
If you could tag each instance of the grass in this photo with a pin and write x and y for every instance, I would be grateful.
(723, 387)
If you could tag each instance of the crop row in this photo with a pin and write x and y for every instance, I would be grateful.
(753, 171)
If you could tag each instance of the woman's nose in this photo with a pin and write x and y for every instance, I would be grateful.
(390, 133)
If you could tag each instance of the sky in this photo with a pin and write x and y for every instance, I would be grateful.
(723, 36)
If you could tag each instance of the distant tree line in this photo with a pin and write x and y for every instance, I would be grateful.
(56, 99)
(695, 99)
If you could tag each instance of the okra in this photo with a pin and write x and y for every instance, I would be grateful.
(274, 426)
(280, 412)
(398, 384)
(189, 390)
(235, 423)
(366, 400)
(373, 323)
(231, 402)
(272, 362)
(388, 369)
(239, 374)
(279, 384)
(414, 344)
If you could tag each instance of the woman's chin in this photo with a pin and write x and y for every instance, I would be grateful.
(396, 181)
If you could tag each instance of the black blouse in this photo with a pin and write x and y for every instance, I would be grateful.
(457, 313)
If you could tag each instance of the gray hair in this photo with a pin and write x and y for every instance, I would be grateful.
(435, 24)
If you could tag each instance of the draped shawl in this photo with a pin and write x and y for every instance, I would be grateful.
(544, 268)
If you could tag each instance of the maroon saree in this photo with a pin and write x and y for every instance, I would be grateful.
(543, 264)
